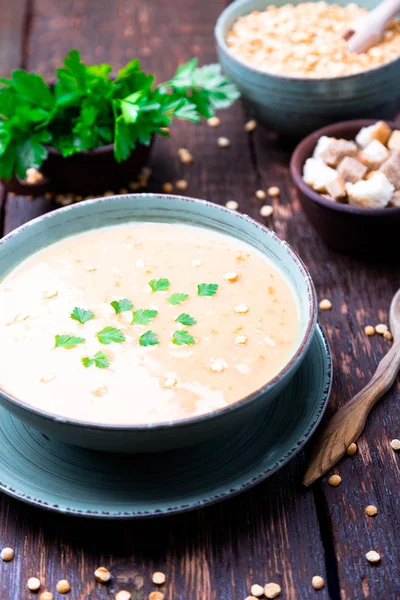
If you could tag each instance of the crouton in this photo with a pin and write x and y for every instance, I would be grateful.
(378, 131)
(336, 150)
(374, 193)
(322, 144)
(395, 200)
(317, 174)
(336, 189)
(351, 169)
(373, 155)
(391, 168)
(394, 140)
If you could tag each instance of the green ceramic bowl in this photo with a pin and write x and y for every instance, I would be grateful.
(297, 106)
(54, 226)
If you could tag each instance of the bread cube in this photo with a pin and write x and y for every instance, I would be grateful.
(351, 169)
(322, 144)
(370, 174)
(317, 174)
(336, 150)
(394, 140)
(391, 168)
(395, 201)
(374, 193)
(378, 131)
(336, 189)
(373, 155)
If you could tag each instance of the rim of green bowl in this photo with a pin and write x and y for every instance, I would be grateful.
(191, 421)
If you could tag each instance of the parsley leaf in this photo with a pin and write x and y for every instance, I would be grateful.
(177, 298)
(81, 315)
(121, 305)
(149, 339)
(181, 337)
(207, 289)
(186, 320)
(100, 359)
(67, 341)
(206, 87)
(110, 334)
(159, 285)
(143, 316)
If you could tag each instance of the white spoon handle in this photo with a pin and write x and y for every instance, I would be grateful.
(368, 30)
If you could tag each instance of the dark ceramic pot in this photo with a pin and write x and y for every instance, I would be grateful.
(359, 231)
(89, 172)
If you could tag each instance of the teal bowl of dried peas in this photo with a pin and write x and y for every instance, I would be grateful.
(292, 67)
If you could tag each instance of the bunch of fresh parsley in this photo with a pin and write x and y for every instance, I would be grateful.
(87, 108)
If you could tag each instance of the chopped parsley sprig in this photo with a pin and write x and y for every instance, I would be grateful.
(149, 338)
(182, 337)
(82, 315)
(110, 334)
(207, 289)
(186, 320)
(100, 359)
(121, 305)
(159, 285)
(67, 341)
(143, 316)
(175, 299)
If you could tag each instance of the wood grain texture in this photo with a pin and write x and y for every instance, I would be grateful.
(348, 422)
(361, 295)
(279, 531)
(269, 534)
(13, 20)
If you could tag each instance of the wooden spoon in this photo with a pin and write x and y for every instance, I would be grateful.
(347, 424)
(368, 30)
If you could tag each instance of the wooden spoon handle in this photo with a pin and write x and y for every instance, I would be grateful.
(349, 421)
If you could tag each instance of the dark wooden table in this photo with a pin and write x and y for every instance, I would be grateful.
(279, 531)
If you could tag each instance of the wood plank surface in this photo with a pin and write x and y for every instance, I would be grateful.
(14, 20)
(279, 531)
(215, 553)
(361, 295)
(13, 24)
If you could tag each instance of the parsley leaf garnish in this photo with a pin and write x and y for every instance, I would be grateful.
(186, 320)
(159, 285)
(207, 289)
(183, 337)
(177, 298)
(110, 334)
(82, 315)
(143, 316)
(149, 339)
(67, 341)
(121, 305)
(100, 359)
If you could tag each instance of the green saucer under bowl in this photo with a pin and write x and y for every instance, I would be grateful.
(72, 480)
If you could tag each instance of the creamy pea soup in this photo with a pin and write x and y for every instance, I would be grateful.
(144, 323)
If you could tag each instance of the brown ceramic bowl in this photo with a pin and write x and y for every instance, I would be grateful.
(88, 172)
(360, 231)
